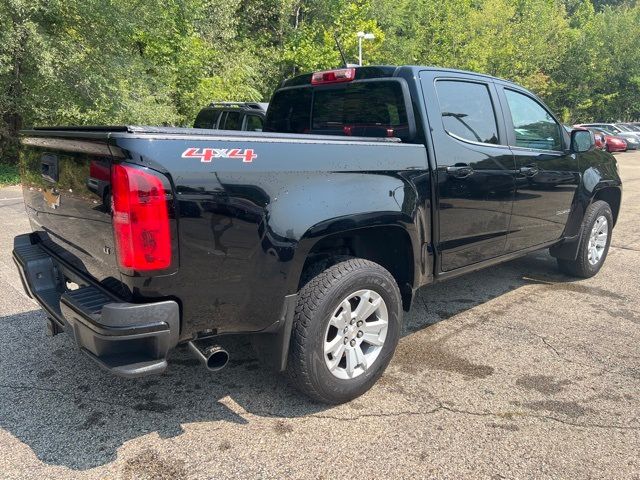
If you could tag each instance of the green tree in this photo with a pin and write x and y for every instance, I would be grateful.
(311, 45)
(153, 62)
(600, 77)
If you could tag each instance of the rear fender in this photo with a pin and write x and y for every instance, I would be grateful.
(389, 238)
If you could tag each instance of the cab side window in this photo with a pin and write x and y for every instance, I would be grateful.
(534, 127)
(467, 111)
(254, 123)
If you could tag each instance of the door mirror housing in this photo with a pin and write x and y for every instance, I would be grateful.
(582, 140)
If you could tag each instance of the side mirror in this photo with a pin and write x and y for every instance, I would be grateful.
(582, 141)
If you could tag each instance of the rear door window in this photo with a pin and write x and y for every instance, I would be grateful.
(467, 111)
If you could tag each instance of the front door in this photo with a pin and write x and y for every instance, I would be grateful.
(546, 174)
(474, 167)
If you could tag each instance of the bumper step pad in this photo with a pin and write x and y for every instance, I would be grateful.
(128, 339)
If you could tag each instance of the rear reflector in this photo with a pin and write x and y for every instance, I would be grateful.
(140, 219)
(333, 76)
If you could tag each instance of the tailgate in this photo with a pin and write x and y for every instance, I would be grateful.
(66, 186)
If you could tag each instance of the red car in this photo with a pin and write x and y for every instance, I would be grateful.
(613, 143)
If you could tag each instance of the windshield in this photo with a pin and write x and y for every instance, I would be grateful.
(370, 109)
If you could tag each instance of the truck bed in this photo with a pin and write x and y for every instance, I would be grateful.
(234, 223)
(114, 130)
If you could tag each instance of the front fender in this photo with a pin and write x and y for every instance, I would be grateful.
(599, 173)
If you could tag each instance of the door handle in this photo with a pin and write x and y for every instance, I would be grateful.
(460, 171)
(529, 170)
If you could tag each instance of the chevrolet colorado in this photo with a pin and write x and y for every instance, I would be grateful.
(312, 236)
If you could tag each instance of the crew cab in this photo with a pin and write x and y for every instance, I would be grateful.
(311, 237)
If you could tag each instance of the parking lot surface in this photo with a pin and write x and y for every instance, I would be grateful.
(512, 372)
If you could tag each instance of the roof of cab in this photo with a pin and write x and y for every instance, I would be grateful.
(381, 71)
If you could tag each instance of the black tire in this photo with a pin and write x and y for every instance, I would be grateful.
(581, 267)
(317, 300)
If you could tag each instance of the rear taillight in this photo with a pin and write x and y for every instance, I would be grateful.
(333, 76)
(140, 219)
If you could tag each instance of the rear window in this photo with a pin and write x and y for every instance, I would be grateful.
(370, 109)
(289, 111)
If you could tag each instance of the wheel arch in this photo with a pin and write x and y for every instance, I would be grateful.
(613, 197)
(391, 244)
(610, 193)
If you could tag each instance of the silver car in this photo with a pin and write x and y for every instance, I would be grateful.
(632, 138)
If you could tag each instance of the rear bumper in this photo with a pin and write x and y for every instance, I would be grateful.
(127, 339)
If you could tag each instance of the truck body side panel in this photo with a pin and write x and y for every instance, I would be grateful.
(244, 226)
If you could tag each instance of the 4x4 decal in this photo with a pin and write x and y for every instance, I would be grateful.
(206, 155)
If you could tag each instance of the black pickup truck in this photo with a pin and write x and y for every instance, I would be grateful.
(310, 237)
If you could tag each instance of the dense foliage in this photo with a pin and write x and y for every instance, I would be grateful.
(157, 62)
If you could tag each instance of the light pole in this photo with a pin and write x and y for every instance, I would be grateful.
(366, 36)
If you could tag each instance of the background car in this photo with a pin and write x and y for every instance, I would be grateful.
(631, 127)
(613, 143)
(632, 138)
(247, 116)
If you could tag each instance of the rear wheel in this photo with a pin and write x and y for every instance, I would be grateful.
(346, 328)
(595, 239)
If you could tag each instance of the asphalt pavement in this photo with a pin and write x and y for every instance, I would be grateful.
(512, 372)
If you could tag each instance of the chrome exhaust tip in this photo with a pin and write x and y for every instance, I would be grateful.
(213, 357)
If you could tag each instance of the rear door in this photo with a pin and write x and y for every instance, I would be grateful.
(474, 167)
(546, 174)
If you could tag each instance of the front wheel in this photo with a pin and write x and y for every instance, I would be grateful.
(346, 328)
(595, 239)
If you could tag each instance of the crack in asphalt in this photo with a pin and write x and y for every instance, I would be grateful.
(440, 407)
(545, 417)
(550, 347)
(62, 392)
(544, 340)
(454, 410)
